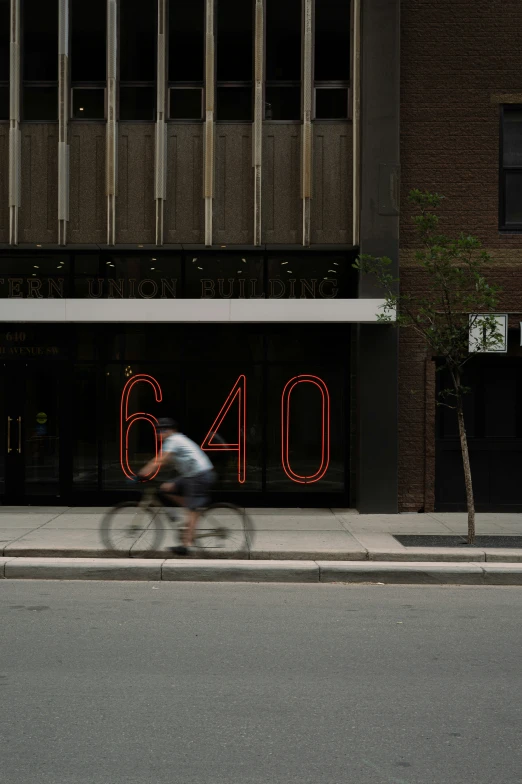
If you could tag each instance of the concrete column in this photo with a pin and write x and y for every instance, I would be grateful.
(257, 136)
(14, 122)
(377, 464)
(63, 120)
(306, 145)
(112, 124)
(160, 184)
(210, 89)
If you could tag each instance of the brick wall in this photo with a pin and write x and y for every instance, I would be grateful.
(458, 58)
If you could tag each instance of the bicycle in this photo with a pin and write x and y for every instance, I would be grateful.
(137, 528)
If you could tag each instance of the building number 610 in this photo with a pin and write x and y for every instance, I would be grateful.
(209, 444)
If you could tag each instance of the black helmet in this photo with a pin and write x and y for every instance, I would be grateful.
(165, 423)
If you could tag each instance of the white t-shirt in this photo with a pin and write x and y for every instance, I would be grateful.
(187, 457)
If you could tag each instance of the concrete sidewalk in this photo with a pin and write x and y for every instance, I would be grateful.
(280, 534)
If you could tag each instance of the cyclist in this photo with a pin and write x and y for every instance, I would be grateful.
(196, 476)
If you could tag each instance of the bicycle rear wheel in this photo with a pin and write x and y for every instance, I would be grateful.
(224, 531)
(130, 529)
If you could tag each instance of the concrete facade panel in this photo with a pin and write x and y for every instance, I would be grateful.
(331, 211)
(234, 192)
(87, 199)
(281, 202)
(39, 183)
(135, 206)
(184, 208)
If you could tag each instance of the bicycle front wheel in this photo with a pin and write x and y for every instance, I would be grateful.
(224, 531)
(131, 530)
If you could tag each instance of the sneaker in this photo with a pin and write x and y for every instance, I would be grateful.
(181, 550)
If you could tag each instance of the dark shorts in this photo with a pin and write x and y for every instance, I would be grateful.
(194, 489)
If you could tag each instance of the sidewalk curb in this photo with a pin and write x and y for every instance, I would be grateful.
(441, 573)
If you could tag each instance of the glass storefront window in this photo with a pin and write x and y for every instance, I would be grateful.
(222, 344)
(152, 342)
(85, 410)
(269, 403)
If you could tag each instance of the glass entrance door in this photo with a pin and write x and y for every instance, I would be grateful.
(30, 433)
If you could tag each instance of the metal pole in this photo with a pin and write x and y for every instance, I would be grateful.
(356, 118)
(112, 124)
(208, 185)
(306, 165)
(258, 119)
(160, 185)
(63, 119)
(14, 122)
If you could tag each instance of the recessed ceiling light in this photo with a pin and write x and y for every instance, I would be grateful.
(81, 108)
(200, 268)
(35, 266)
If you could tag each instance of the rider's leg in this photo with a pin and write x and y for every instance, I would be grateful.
(178, 499)
(188, 533)
(168, 491)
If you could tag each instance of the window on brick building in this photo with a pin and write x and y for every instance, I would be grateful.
(511, 169)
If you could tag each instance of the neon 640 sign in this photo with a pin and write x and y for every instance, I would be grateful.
(237, 395)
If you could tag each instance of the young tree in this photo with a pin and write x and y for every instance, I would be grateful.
(454, 316)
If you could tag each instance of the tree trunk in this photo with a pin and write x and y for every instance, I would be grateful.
(467, 469)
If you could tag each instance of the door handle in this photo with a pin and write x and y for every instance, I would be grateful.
(19, 435)
(9, 420)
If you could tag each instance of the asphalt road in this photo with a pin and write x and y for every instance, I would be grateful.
(138, 683)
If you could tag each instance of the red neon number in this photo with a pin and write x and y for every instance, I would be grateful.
(127, 420)
(285, 428)
(238, 391)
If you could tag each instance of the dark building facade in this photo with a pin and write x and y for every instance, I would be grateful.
(184, 188)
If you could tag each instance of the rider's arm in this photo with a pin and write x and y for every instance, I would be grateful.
(154, 463)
